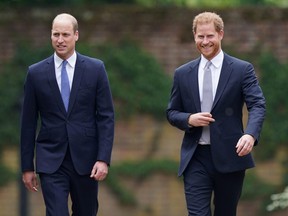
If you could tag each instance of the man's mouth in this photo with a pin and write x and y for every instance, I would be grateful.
(61, 46)
(206, 46)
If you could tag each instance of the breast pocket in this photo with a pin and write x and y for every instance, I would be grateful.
(85, 96)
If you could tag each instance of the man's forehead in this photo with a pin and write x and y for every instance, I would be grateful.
(62, 27)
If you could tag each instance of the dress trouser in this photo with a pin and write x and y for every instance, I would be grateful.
(201, 180)
(57, 186)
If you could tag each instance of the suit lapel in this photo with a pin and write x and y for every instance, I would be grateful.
(194, 85)
(78, 72)
(50, 71)
(223, 79)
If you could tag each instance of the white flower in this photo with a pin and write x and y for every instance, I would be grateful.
(279, 201)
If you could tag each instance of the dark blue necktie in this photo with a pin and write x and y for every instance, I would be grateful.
(65, 87)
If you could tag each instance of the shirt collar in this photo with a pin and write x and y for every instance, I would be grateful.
(216, 61)
(71, 61)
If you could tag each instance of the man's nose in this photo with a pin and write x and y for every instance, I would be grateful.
(205, 40)
(60, 39)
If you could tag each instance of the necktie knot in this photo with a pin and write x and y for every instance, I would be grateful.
(64, 63)
(207, 66)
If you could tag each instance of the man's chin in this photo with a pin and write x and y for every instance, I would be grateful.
(206, 55)
(61, 53)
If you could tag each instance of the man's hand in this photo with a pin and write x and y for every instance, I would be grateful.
(30, 180)
(200, 119)
(99, 171)
(245, 145)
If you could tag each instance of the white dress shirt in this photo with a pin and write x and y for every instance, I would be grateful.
(70, 67)
(215, 68)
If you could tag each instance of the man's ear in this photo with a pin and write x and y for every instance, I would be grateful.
(76, 35)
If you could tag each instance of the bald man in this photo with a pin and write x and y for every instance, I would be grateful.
(70, 95)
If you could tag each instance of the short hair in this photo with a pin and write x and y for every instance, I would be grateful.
(208, 17)
(67, 16)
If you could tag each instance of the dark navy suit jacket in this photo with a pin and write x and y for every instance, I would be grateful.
(237, 85)
(88, 125)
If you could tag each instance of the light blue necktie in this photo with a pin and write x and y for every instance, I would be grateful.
(207, 100)
(65, 87)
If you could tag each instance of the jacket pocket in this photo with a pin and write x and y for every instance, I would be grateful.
(90, 132)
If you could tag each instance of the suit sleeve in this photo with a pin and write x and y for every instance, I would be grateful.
(175, 112)
(255, 103)
(29, 118)
(105, 117)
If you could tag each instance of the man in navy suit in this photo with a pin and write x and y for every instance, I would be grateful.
(215, 164)
(74, 144)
